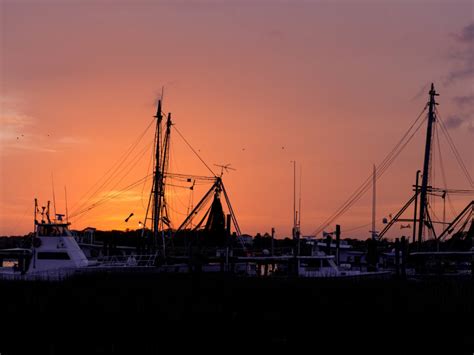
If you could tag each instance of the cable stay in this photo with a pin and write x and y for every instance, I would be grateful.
(109, 197)
(380, 170)
(454, 150)
(104, 196)
(194, 151)
(101, 184)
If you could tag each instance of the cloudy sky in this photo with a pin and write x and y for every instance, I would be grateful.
(333, 85)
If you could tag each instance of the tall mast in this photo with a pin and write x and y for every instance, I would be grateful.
(299, 199)
(164, 167)
(157, 176)
(295, 220)
(374, 200)
(426, 164)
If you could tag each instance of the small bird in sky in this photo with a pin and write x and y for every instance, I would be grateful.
(126, 219)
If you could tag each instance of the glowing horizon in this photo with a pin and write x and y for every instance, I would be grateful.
(257, 85)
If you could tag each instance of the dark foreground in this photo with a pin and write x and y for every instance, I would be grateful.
(148, 313)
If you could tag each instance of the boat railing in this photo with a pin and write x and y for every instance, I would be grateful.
(147, 260)
(58, 274)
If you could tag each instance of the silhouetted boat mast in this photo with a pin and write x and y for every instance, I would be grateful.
(157, 197)
(426, 164)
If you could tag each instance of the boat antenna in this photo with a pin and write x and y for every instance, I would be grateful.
(54, 197)
(36, 211)
(47, 212)
(299, 202)
(225, 167)
(374, 200)
(65, 197)
(294, 198)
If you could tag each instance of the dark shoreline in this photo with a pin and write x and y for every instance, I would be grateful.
(110, 313)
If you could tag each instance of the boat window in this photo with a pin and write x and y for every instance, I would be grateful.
(53, 256)
(51, 231)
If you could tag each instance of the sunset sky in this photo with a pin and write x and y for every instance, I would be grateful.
(331, 84)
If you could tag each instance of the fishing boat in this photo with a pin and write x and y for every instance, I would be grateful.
(53, 253)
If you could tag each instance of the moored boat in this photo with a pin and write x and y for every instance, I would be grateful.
(53, 254)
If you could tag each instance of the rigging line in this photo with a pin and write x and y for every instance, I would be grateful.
(111, 196)
(366, 185)
(177, 175)
(197, 209)
(120, 160)
(120, 180)
(459, 192)
(150, 160)
(109, 180)
(181, 186)
(156, 143)
(114, 195)
(380, 170)
(432, 167)
(194, 151)
(188, 180)
(389, 160)
(443, 175)
(456, 227)
(461, 164)
(174, 162)
(463, 227)
(356, 228)
(192, 182)
(466, 215)
(199, 224)
(178, 199)
(81, 213)
(406, 134)
(176, 211)
(128, 170)
(437, 219)
(231, 211)
(455, 151)
(171, 202)
(453, 147)
(234, 218)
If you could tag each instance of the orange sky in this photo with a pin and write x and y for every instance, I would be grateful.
(334, 83)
